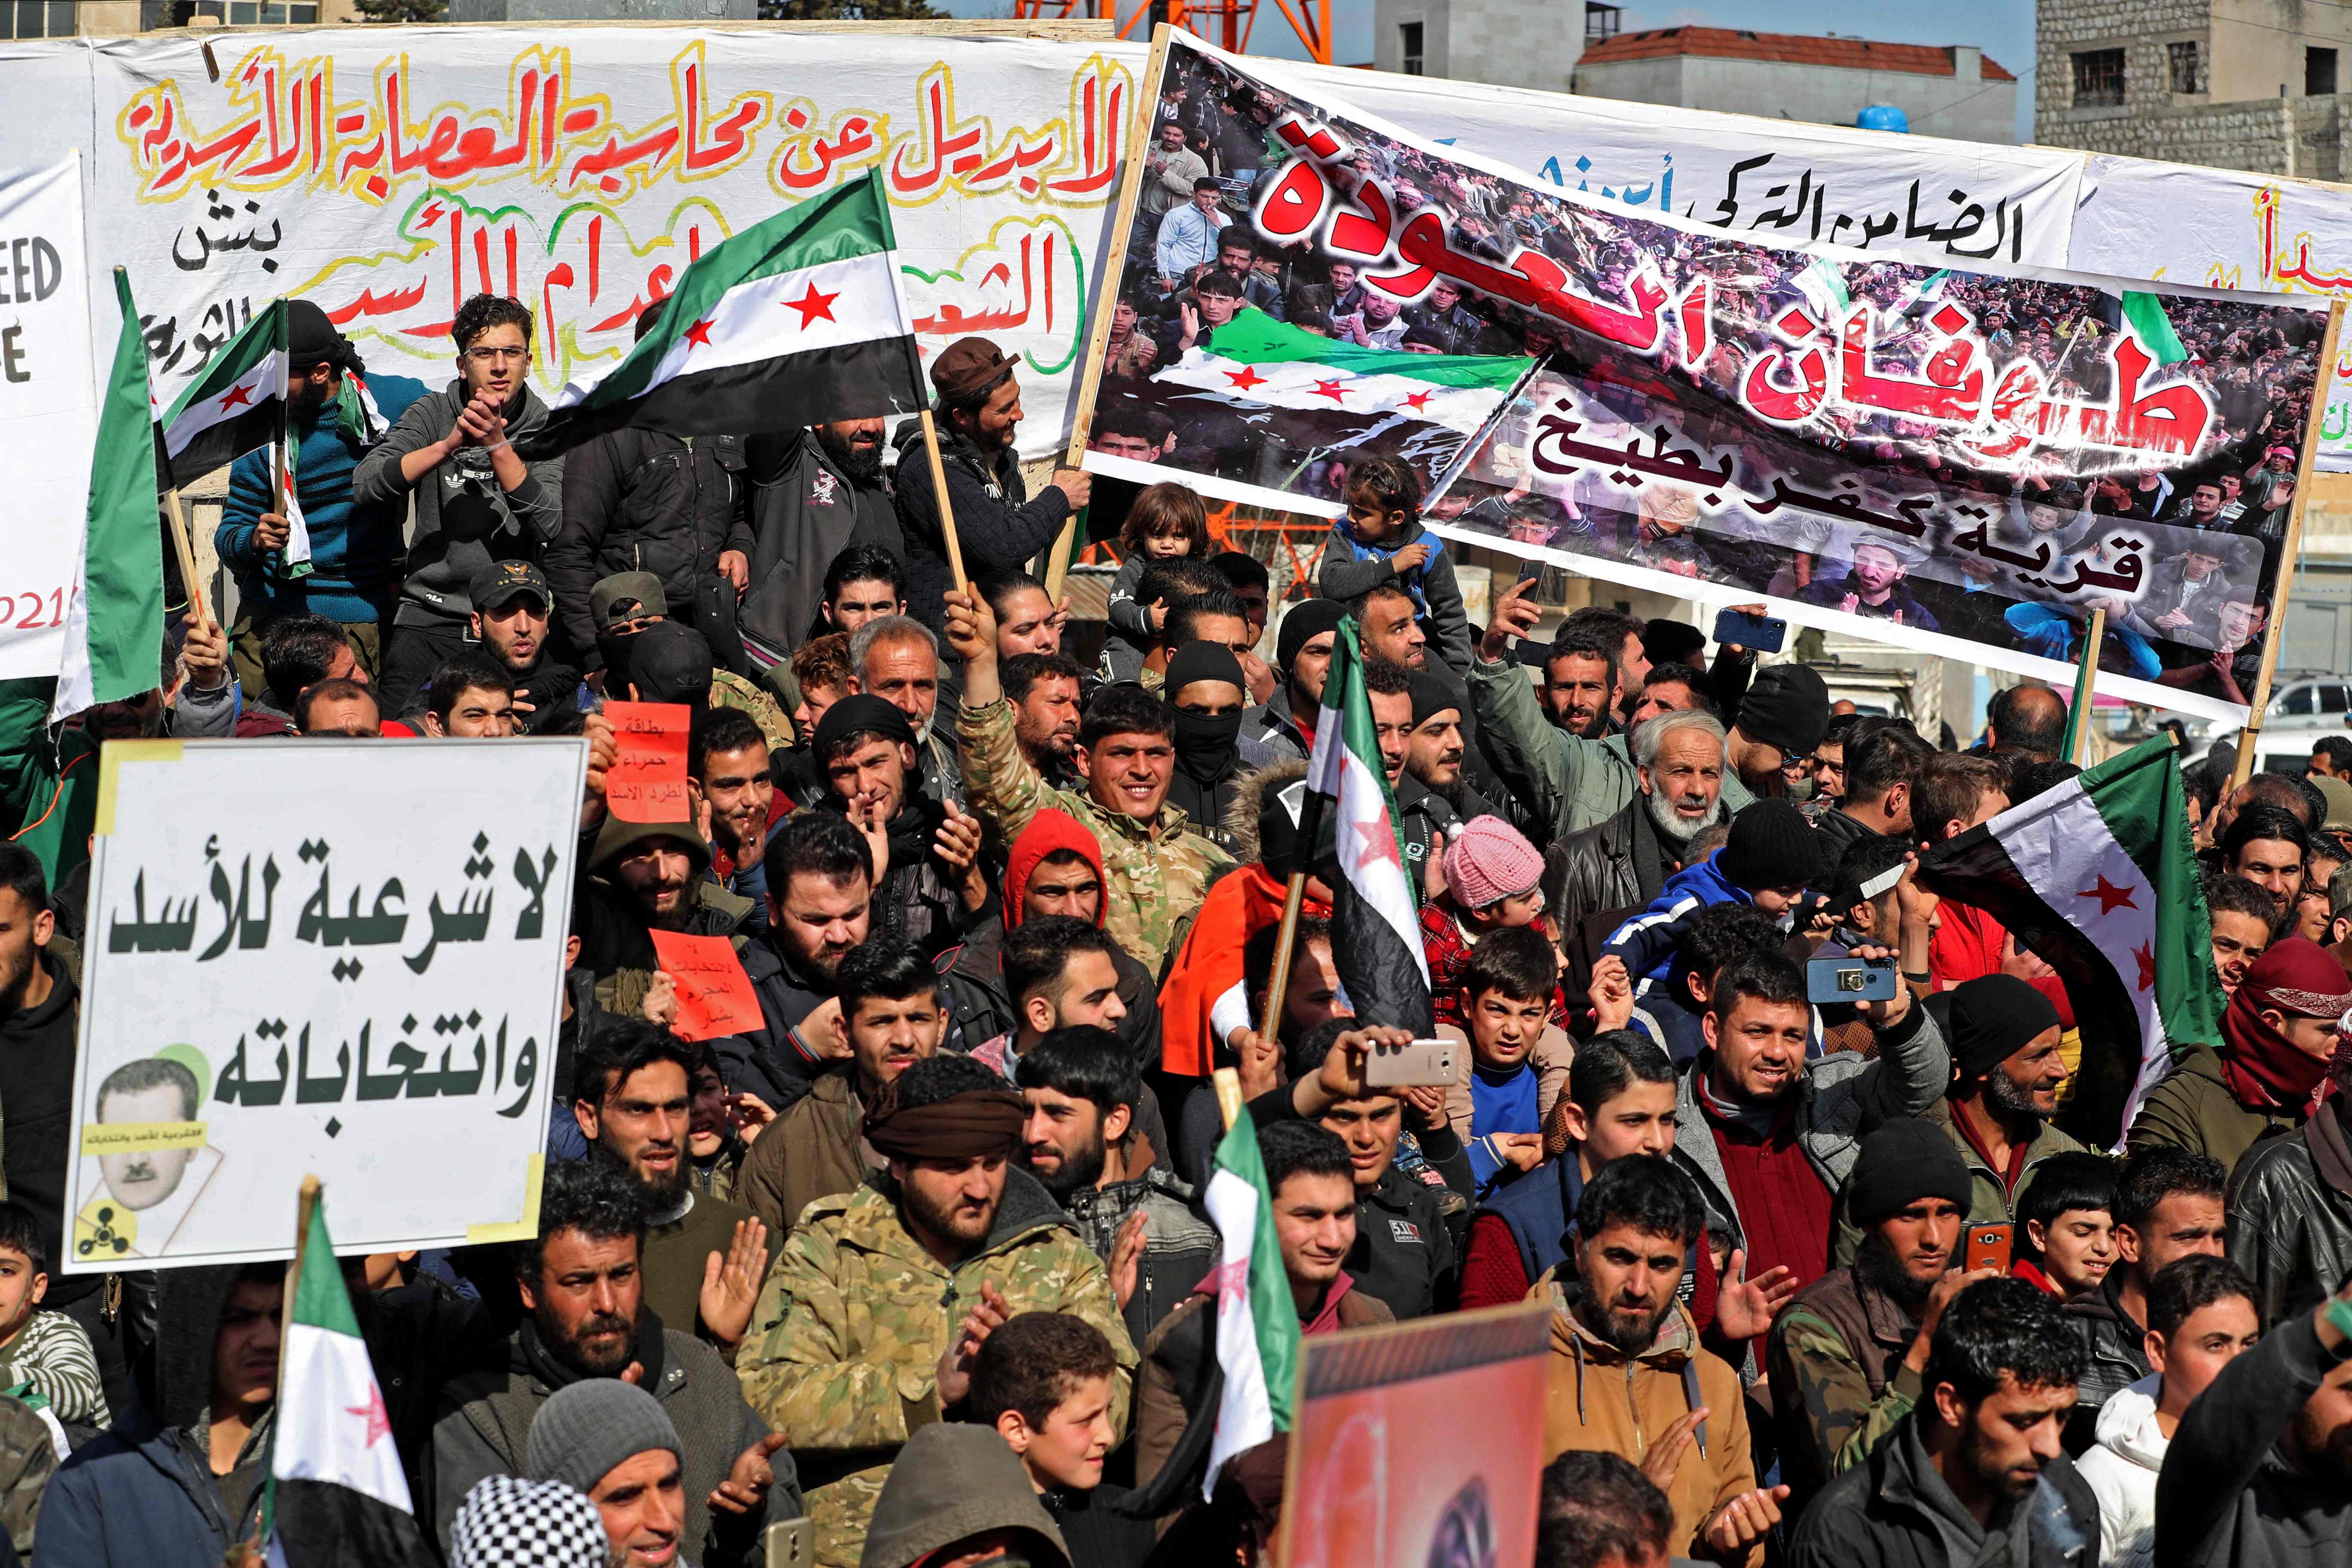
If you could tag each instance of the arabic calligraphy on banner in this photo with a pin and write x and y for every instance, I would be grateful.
(350, 972)
(581, 171)
(1973, 459)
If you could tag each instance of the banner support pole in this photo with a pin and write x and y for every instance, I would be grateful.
(2290, 548)
(940, 490)
(1082, 406)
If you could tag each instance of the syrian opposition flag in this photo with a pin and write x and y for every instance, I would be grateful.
(336, 1493)
(1375, 920)
(236, 405)
(1257, 1321)
(794, 322)
(1255, 359)
(358, 419)
(2098, 877)
(114, 624)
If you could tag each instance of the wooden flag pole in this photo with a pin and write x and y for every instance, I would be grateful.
(2289, 548)
(2095, 637)
(1278, 984)
(939, 489)
(1130, 188)
(176, 520)
(1229, 1104)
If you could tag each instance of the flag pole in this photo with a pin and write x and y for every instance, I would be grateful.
(1082, 406)
(2289, 547)
(1310, 825)
(1229, 1104)
(176, 519)
(939, 489)
(2078, 721)
(306, 1204)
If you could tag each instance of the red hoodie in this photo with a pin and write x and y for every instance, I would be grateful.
(1047, 831)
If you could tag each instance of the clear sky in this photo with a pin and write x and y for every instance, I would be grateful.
(2002, 28)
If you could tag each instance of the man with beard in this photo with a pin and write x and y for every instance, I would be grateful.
(513, 603)
(2260, 1469)
(820, 875)
(1027, 620)
(1628, 1376)
(455, 452)
(1877, 764)
(582, 1288)
(1207, 687)
(2007, 1072)
(645, 877)
(1678, 760)
(1625, 641)
(353, 573)
(1082, 1141)
(1045, 691)
(637, 500)
(630, 1096)
(930, 887)
(998, 526)
(1436, 756)
(1846, 1358)
(883, 1297)
(893, 1013)
(815, 494)
(1579, 692)
(1974, 1473)
(1283, 729)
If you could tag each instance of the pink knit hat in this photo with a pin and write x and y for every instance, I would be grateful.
(1489, 861)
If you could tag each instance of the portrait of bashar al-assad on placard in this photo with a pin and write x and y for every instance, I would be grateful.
(146, 1188)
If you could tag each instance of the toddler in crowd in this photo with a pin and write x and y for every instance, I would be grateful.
(1166, 521)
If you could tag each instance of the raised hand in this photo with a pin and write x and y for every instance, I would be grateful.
(963, 1348)
(1665, 1454)
(1513, 614)
(747, 1483)
(730, 1285)
(1610, 993)
(1745, 1521)
(1744, 1308)
(1126, 1257)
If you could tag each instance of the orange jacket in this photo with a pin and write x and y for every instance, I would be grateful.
(1240, 904)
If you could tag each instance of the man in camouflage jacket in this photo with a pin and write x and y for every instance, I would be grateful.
(1155, 874)
(868, 1324)
(1847, 1359)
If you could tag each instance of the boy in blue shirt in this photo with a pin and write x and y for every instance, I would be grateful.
(1518, 1058)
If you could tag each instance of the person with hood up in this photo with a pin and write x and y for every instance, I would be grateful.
(1054, 867)
(931, 887)
(1205, 686)
(460, 453)
(645, 877)
(2278, 1035)
(1384, 541)
(958, 1495)
(2201, 1318)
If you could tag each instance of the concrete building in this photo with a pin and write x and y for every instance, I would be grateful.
(115, 18)
(1944, 90)
(527, 11)
(1511, 43)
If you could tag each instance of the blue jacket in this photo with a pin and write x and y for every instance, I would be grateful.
(356, 552)
(1646, 942)
(143, 1502)
(1540, 1210)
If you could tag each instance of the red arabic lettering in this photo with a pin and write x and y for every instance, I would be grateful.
(1362, 236)
(1768, 395)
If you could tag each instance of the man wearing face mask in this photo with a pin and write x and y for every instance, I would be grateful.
(814, 494)
(1208, 690)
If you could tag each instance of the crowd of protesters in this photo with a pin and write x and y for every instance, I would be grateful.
(922, 1260)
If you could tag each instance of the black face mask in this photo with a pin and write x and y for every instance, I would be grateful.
(1206, 745)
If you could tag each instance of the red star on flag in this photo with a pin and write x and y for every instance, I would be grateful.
(1380, 843)
(700, 332)
(2110, 897)
(1329, 389)
(379, 1424)
(1419, 401)
(813, 306)
(2147, 966)
(236, 395)
(1230, 1282)
(1245, 377)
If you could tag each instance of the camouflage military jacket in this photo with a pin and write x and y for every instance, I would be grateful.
(729, 689)
(1839, 1380)
(843, 1355)
(1158, 875)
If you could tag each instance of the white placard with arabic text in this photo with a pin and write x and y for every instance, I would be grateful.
(48, 411)
(338, 958)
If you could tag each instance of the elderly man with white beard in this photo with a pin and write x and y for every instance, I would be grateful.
(1621, 863)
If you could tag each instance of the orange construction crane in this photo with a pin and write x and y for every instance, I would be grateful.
(1224, 22)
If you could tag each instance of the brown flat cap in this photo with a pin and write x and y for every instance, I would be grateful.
(968, 367)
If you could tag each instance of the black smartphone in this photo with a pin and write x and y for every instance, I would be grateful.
(1530, 569)
(1757, 633)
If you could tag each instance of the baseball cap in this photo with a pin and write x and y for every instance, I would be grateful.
(625, 596)
(501, 580)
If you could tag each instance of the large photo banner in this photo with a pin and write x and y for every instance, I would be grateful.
(48, 411)
(580, 169)
(335, 958)
(1967, 462)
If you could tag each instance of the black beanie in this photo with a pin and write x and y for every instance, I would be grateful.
(1202, 662)
(1431, 696)
(1987, 1020)
(1671, 642)
(1301, 622)
(1787, 706)
(1903, 1162)
(1771, 845)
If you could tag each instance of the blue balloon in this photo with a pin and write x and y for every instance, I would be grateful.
(1883, 117)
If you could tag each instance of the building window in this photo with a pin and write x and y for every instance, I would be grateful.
(2182, 59)
(1602, 21)
(250, 13)
(2319, 71)
(36, 19)
(1409, 47)
(2099, 79)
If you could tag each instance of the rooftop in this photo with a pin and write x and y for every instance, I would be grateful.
(1790, 48)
